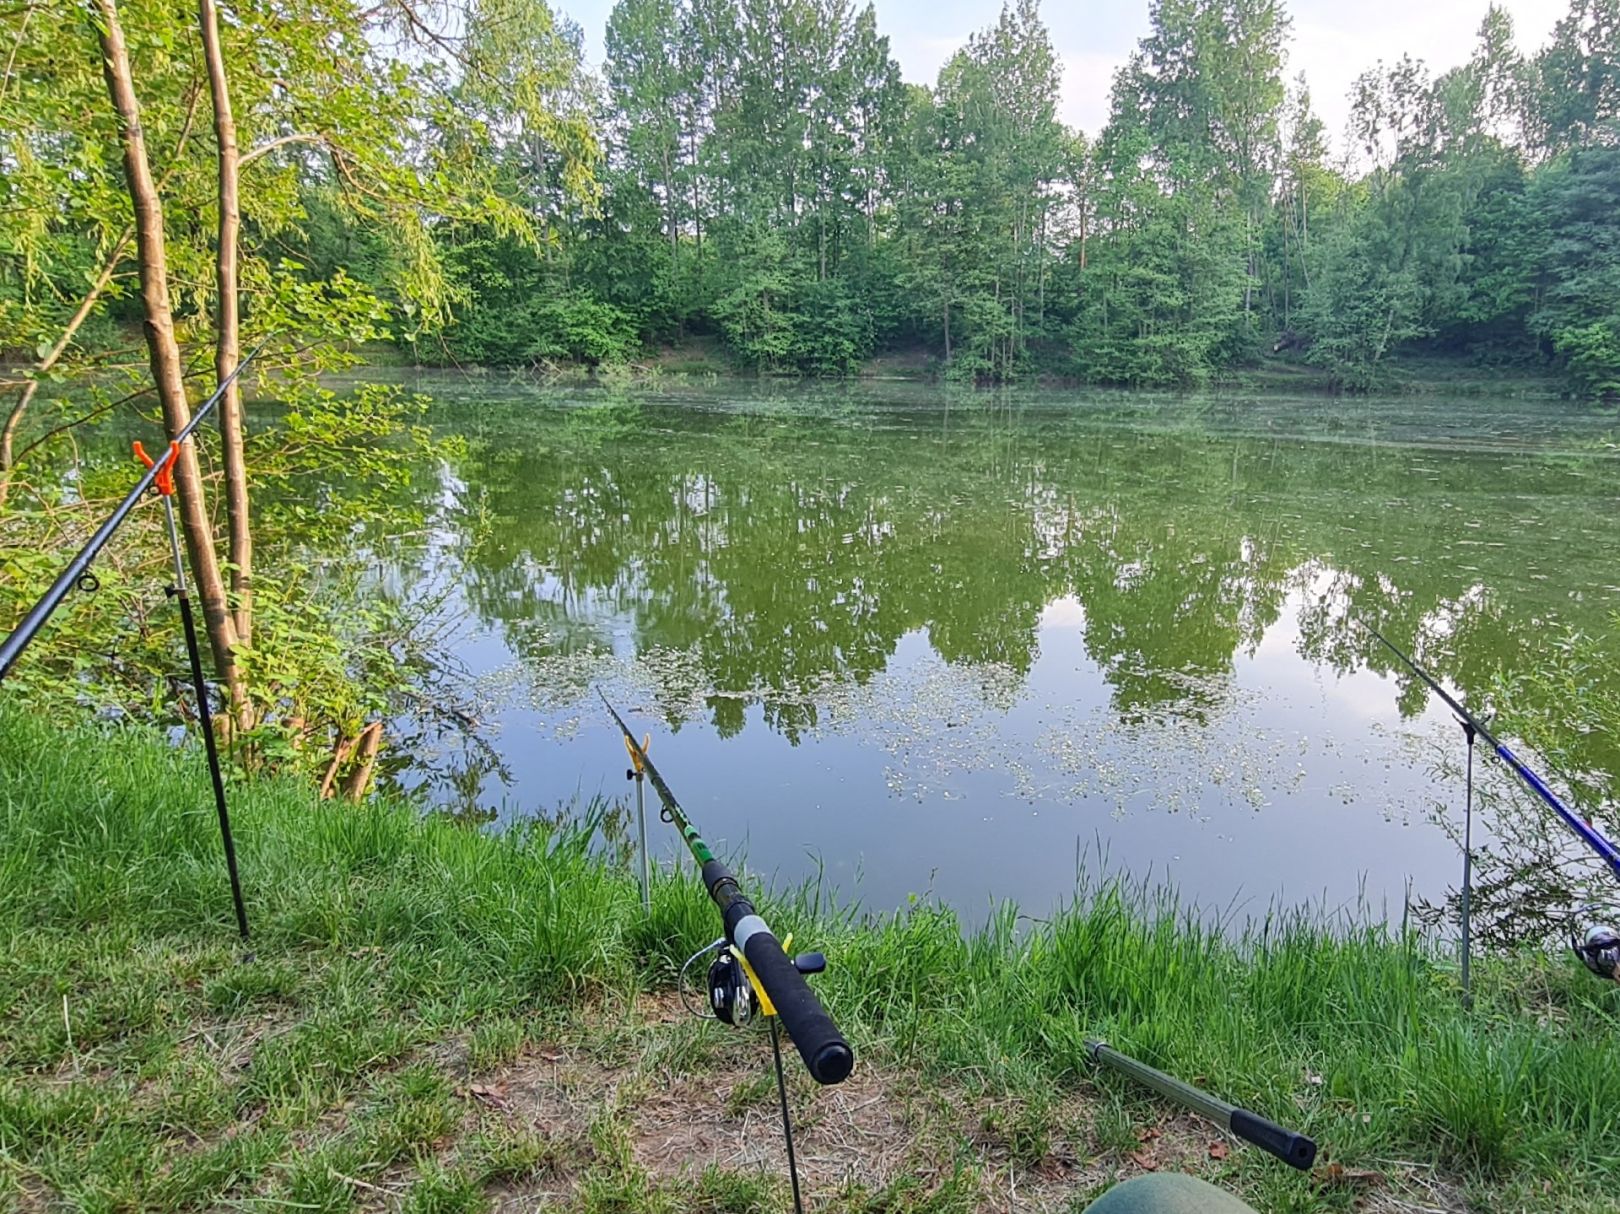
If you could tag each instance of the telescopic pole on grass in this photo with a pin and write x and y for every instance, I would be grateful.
(638, 773)
(1470, 733)
(1296, 1150)
(163, 481)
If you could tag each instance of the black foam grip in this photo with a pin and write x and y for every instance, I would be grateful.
(1293, 1149)
(826, 1054)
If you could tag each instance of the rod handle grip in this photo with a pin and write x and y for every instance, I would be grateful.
(826, 1054)
(1296, 1150)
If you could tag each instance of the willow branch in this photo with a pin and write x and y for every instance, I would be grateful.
(280, 141)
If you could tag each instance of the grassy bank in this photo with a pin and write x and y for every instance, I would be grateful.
(438, 1019)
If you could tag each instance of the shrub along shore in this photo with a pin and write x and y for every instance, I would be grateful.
(437, 1017)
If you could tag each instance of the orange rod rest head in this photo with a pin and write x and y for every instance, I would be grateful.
(165, 477)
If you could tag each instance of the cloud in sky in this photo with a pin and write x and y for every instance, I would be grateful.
(1333, 41)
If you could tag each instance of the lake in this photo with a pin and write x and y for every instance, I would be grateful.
(925, 641)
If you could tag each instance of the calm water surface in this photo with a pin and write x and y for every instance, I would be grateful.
(952, 643)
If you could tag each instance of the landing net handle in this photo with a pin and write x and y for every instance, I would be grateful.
(1294, 1149)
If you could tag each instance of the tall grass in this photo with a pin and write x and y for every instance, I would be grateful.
(115, 921)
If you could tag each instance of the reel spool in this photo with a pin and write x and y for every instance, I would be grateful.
(1599, 950)
(731, 995)
(730, 991)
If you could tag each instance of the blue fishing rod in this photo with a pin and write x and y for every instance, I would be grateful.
(1601, 949)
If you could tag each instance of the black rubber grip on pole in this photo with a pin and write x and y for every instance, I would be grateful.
(1296, 1150)
(826, 1054)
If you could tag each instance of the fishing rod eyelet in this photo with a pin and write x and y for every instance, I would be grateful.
(87, 582)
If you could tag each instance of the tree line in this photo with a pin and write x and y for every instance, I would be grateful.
(756, 175)
(768, 179)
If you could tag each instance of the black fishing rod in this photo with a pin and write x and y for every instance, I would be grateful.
(750, 970)
(77, 573)
(159, 474)
(1296, 1150)
(826, 1054)
(1587, 833)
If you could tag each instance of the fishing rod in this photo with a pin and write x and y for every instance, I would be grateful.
(826, 1054)
(750, 970)
(159, 474)
(1588, 833)
(1294, 1149)
(77, 573)
(1599, 951)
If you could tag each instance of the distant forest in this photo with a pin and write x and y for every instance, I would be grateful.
(756, 176)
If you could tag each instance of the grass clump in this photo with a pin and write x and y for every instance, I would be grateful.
(408, 966)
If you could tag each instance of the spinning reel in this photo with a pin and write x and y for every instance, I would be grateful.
(1598, 948)
(733, 994)
(735, 997)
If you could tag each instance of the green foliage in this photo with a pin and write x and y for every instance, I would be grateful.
(332, 648)
(756, 171)
(1579, 269)
(519, 311)
(775, 184)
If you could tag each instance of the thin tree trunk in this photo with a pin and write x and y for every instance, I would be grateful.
(1248, 267)
(365, 760)
(167, 375)
(86, 306)
(8, 435)
(697, 209)
(671, 199)
(227, 352)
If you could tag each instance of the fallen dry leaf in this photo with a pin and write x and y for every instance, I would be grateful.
(1218, 1149)
(489, 1095)
(1336, 1175)
(1144, 1161)
(1149, 1134)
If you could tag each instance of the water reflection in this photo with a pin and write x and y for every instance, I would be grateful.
(899, 630)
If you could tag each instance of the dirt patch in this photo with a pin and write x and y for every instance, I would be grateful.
(879, 1127)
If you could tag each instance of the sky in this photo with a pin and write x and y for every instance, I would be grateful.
(1333, 41)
